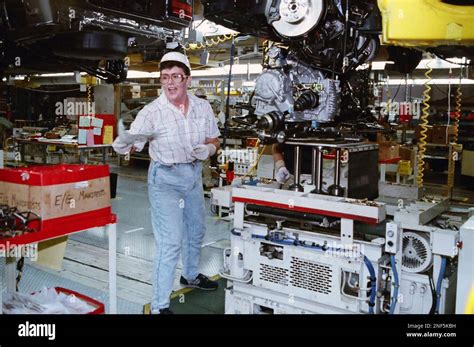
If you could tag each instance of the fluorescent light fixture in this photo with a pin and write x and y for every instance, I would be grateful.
(237, 69)
(63, 74)
(424, 64)
(437, 81)
(378, 65)
(441, 64)
(248, 84)
(59, 74)
(142, 74)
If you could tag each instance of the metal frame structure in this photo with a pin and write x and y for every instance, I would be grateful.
(8, 283)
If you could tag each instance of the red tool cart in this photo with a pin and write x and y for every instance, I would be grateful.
(55, 201)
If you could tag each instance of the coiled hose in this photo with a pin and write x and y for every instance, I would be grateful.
(210, 43)
(424, 128)
(457, 112)
(457, 116)
(90, 107)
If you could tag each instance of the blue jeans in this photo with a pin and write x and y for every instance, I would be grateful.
(177, 212)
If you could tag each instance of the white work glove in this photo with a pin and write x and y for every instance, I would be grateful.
(203, 152)
(121, 127)
(282, 174)
(120, 147)
(130, 139)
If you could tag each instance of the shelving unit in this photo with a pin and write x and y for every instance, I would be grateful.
(449, 155)
(109, 226)
(80, 149)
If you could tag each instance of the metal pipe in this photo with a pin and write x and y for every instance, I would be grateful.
(297, 187)
(277, 212)
(297, 164)
(336, 188)
(314, 170)
(319, 185)
(337, 173)
(318, 170)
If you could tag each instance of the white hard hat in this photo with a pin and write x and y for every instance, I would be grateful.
(176, 56)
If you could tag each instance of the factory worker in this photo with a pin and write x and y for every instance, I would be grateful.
(182, 133)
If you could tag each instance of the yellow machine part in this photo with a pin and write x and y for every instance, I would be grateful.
(470, 303)
(417, 23)
(404, 168)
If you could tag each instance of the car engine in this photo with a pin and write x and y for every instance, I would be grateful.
(313, 49)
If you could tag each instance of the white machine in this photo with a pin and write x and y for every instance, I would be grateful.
(296, 252)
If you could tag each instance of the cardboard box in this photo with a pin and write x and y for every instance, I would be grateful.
(64, 196)
(51, 253)
(389, 151)
(428, 133)
(442, 134)
(467, 166)
(384, 138)
(407, 153)
(149, 93)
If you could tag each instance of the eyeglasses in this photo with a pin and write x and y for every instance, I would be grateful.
(177, 78)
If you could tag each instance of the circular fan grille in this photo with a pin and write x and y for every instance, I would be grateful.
(417, 256)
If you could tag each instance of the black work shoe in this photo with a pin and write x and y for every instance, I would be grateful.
(201, 282)
(165, 311)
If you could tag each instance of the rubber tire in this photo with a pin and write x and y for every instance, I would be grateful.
(92, 45)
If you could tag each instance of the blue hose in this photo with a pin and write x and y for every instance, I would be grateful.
(373, 284)
(396, 285)
(439, 283)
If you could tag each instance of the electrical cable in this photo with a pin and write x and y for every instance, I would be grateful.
(452, 62)
(373, 282)
(396, 285)
(396, 93)
(439, 89)
(451, 163)
(227, 106)
(19, 267)
(346, 33)
(433, 295)
(439, 283)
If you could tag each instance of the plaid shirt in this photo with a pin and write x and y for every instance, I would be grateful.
(176, 135)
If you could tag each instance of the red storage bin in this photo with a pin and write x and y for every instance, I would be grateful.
(65, 197)
(99, 307)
